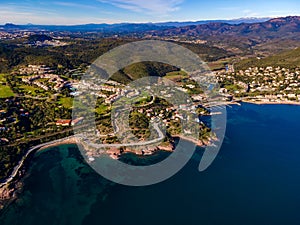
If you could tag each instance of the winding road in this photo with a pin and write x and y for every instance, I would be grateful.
(33, 149)
(21, 163)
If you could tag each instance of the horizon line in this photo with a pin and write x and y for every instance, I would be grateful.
(126, 22)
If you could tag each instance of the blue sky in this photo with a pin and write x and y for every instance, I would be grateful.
(115, 11)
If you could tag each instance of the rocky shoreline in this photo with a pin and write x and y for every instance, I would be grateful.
(116, 153)
(9, 192)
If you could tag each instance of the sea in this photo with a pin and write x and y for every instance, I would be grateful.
(255, 180)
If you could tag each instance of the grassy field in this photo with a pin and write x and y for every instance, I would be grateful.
(5, 90)
(176, 73)
(176, 76)
(218, 64)
(66, 102)
(31, 90)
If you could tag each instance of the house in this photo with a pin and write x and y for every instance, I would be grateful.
(77, 121)
(292, 96)
(64, 123)
(223, 91)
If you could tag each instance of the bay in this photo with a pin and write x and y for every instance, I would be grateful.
(254, 180)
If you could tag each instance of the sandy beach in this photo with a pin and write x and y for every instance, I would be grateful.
(271, 103)
(71, 140)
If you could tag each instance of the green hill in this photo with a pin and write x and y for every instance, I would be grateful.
(139, 70)
(288, 59)
(82, 52)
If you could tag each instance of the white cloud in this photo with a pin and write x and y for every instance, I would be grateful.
(149, 6)
(250, 13)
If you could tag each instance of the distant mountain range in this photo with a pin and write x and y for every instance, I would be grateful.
(262, 38)
(285, 27)
(249, 36)
(125, 27)
(105, 28)
(234, 21)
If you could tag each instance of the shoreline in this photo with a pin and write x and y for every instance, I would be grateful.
(114, 153)
(271, 103)
(70, 141)
(74, 140)
(198, 143)
(10, 187)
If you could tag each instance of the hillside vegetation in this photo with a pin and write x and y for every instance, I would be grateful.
(80, 52)
(260, 38)
(287, 59)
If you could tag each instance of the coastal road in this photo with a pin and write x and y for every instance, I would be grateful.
(21, 163)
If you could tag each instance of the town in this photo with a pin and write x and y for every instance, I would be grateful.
(265, 85)
(258, 85)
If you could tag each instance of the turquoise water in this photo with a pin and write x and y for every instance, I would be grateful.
(254, 180)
